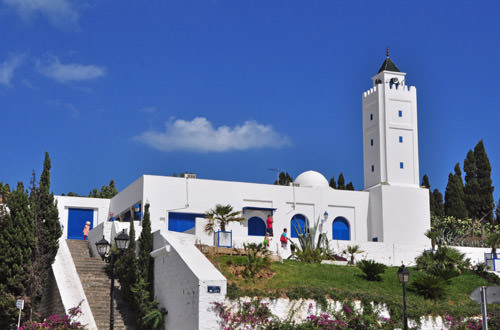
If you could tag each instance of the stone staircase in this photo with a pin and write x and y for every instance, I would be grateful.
(96, 285)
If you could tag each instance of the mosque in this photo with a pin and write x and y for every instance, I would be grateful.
(392, 207)
(387, 219)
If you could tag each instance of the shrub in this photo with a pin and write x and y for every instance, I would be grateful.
(372, 269)
(58, 322)
(429, 286)
(257, 258)
(445, 260)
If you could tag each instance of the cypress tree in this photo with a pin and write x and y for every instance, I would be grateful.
(471, 189)
(333, 184)
(145, 262)
(437, 207)
(486, 202)
(284, 179)
(16, 248)
(454, 195)
(126, 266)
(349, 186)
(497, 212)
(341, 182)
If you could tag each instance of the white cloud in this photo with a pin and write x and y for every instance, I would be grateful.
(60, 13)
(70, 108)
(200, 135)
(7, 69)
(70, 72)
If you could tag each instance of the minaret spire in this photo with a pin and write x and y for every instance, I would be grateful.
(387, 52)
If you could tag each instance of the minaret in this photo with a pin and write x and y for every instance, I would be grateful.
(390, 135)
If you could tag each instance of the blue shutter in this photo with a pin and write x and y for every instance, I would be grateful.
(340, 229)
(298, 221)
(76, 221)
(256, 227)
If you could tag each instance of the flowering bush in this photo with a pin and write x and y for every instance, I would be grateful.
(56, 322)
(256, 315)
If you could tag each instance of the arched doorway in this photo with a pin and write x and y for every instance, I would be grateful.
(340, 229)
(256, 227)
(298, 225)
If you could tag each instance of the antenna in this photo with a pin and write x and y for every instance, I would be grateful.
(277, 170)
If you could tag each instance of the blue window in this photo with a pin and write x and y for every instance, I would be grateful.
(401, 165)
(256, 227)
(340, 229)
(182, 222)
(371, 142)
(371, 116)
(298, 225)
(400, 139)
(400, 113)
(373, 168)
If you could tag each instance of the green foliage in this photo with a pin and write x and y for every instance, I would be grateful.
(437, 206)
(145, 261)
(485, 183)
(221, 216)
(257, 259)
(341, 182)
(428, 286)
(352, 250)
(107, 191)
(371, 269)
(493, 240)
(333, 184)
(461, 232)
(471, 189)
(150, 316)
(454, 204)
(126, 267)
(444, 258)
(349, 186)
(309, 250)
(284, 179)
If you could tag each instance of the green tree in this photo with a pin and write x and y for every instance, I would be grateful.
(471, 189)
(425, 184)
(126, 266)
(284, 179)
(454, 204)
(333, 184)
(16, 251)
(341, 182)
(497, 212)
(486, 203)
(437, 207)
(107, 191)
(349, 186)
(145, 261)
(221, 215)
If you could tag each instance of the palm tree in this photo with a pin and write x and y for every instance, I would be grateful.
(493, 240)
(434, 236)
(221, 215)
(352, 250)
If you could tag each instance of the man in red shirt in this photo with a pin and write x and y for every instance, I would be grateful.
(269, 223)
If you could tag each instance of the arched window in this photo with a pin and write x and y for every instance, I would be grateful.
(298, 221)
(256, 227)
(340, 229)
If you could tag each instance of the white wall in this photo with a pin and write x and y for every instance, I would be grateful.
(99, 205)
(182, 276)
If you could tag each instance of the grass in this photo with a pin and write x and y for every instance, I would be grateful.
(294, 280)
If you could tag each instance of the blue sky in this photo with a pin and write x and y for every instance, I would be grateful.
(229, 89)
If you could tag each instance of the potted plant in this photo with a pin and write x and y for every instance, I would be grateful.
(220, 217)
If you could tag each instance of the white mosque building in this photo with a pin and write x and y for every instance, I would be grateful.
(391, 208)
(387, 219)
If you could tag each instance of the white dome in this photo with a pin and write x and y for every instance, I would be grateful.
(312, 179)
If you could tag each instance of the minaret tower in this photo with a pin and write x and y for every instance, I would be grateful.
(398, 208)
(390, 135)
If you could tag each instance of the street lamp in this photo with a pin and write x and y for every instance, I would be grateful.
(325, 216)
(404, 276)
(103, 248)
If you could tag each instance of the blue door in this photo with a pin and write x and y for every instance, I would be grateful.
(256, 227)
(76, 221)
(340, 229)
(298, 225)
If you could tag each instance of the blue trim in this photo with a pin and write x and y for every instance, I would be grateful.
(182, 222)
(76, 221)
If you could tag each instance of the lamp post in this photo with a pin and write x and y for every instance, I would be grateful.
(325, 216)
(404, 276)
(103, 248)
